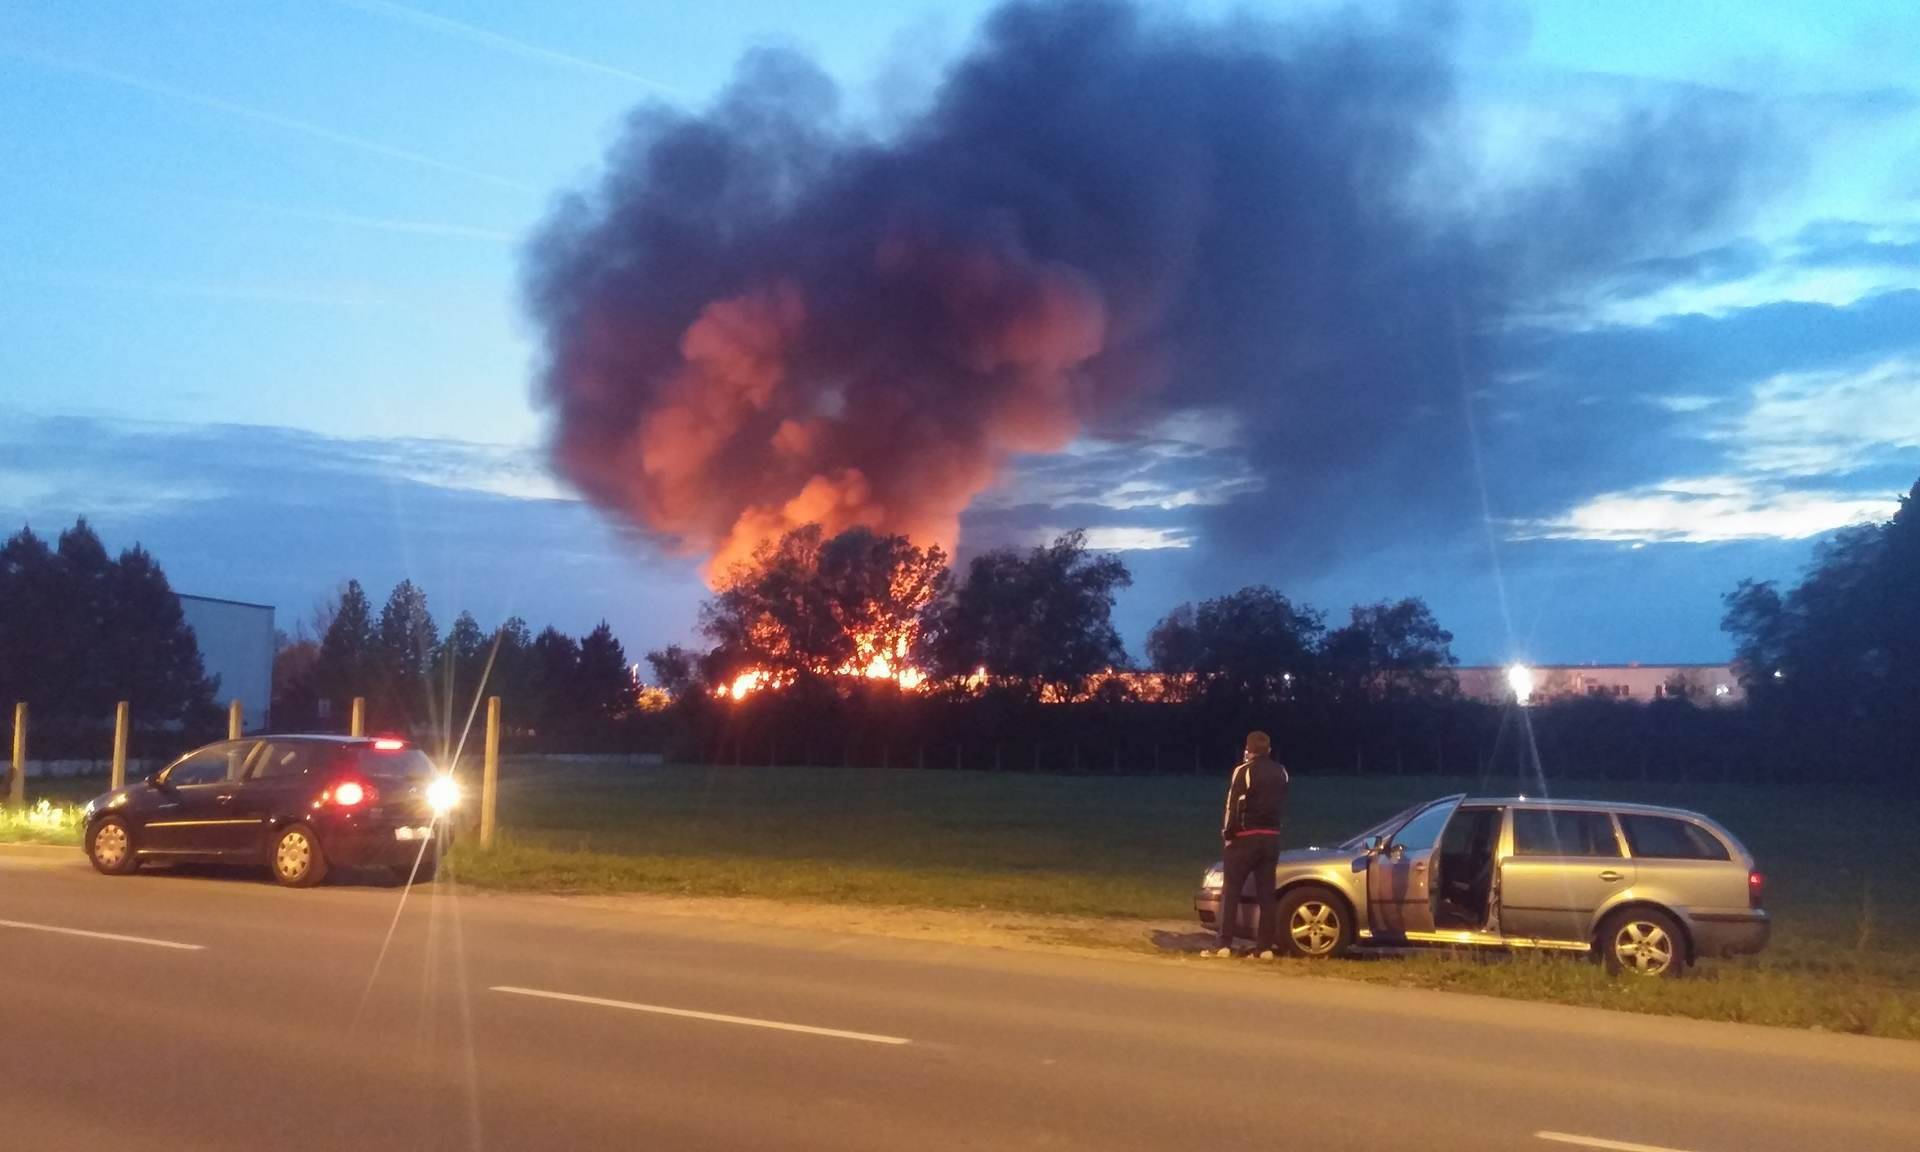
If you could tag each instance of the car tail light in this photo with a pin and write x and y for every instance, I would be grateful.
(1756, 888)
(389, 745)
(349, 794)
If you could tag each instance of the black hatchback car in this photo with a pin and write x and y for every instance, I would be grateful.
(297, 804)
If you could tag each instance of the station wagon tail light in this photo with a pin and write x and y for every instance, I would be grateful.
(1756, 888)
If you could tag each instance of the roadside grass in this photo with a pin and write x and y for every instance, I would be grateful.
(1843, 878)
(41, 822)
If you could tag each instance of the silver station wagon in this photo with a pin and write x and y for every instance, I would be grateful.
(1649, 889)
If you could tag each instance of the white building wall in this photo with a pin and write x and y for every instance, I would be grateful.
(1711, 683)
(236, 644)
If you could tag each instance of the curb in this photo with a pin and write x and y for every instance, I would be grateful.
(30, 848)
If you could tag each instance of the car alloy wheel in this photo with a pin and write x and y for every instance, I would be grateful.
(1644, 947)
(1314, 927)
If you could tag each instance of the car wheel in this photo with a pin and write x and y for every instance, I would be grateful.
(1314, 924)
(110, 847)
(1643, 942)
(297, 859)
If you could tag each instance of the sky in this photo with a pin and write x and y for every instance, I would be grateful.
(261, 310)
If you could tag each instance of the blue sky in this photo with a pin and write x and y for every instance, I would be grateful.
(259, 310)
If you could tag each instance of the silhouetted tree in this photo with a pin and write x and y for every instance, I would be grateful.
(512, 678)
(1836, 661)
(80, 631)
(674, 669)
(553, 696)
(605, 689)
(346, 666)
(458, 664)
(32, 654)
(1035, 621)
(1389, 650)
(405, 643)
(1255, 645)
(296, 693)
(806, 606)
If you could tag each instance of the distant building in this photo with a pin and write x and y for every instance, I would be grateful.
(236, 645)
(1701, 683)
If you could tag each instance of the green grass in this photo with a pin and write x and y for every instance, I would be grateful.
(40, 822)
(1844, 878)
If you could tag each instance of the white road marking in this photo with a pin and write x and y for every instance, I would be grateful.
(630, 1006)
(114, 936)
(1596, 1142)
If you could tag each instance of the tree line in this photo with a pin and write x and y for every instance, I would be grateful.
(1015, 665)
(1036, 625)
(1027, 673)
(560, 692)
(81, 630)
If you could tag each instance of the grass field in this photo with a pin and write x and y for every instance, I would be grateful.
(1844, 875)
(1843, 870)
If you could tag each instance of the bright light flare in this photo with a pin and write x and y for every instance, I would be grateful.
(442, 794)
(1520, 679)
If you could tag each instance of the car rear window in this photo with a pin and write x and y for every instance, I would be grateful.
(1664, 838)
(410, 763)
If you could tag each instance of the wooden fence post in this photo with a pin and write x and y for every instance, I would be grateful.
(17, 786)
(120, 718)
(489, 772)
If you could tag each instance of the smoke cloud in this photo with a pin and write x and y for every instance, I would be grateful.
(763, 317)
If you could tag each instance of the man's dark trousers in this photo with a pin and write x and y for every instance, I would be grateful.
(1256, 855)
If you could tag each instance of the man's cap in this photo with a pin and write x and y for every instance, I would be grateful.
(1259, 743)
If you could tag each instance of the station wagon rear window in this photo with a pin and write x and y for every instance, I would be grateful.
(1664, 838)
(1545, 832)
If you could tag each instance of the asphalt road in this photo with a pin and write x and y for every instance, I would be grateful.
(221, 1012)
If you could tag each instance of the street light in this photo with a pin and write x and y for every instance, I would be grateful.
(1520, 679)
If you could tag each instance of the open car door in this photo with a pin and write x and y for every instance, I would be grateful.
(1400, 876)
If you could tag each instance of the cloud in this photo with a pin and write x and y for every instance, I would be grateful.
(1831, 422)
(1831, 262)
(1710, 509)
(282, 517)
(1130, 539)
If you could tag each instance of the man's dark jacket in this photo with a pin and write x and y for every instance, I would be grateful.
(1256, 799)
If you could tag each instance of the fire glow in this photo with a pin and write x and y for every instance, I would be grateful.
(874, 660)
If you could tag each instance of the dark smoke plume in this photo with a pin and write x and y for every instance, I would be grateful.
(761, 318)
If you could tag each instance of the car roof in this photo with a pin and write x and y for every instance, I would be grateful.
(1586, 805)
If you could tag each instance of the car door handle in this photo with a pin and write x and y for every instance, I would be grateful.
(224, 797)
(1610, 876)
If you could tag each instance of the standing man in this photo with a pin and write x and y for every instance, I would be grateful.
(1250, 831)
